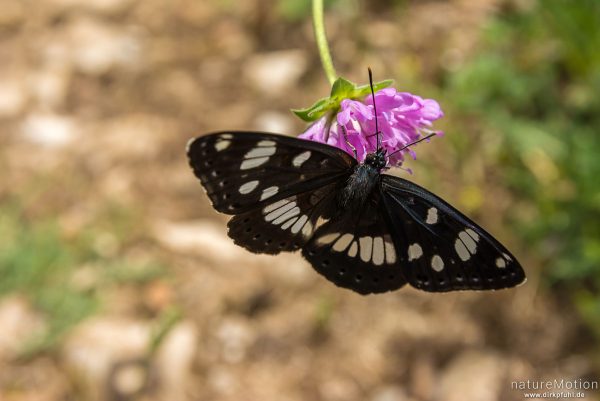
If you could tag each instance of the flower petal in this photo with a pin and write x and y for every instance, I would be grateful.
(402, 118)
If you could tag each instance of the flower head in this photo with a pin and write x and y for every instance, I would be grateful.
(401, 116)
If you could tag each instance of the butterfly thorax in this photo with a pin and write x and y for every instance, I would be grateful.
(377, 159)
(362, 181)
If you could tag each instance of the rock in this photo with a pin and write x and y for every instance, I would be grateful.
(107, 7)
(96, 48)
(275, 72)
(390, 393)
(274, 121)
(49, 87)
(129, 379)
(472, 376)
(235, 336)
(49, 130)
(12, 97)
(94, 348)
(339, 388)
(222, 381)
(19, 323)
(174, 361)
(202, 237)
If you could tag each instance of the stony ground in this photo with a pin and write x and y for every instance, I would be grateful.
(97, 101)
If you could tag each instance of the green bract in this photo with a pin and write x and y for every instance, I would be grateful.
(340, 90)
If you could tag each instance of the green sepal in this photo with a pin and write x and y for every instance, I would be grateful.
(340, 90)
(315, 111)
(364, 90)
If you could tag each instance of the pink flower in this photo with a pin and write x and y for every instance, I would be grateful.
(402, 117)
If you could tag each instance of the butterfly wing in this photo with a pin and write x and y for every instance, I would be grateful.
(243, 171)
(355, 250)
(441, 249)
(277, 187)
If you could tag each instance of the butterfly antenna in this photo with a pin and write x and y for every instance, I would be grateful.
(374, 108)
(412, 143)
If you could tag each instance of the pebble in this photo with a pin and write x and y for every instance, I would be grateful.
(13, 97)
(275, 72)
(107, 7)
(274, 121)
(49, 130)
(19, 322)
(96, 48)
(473, 376)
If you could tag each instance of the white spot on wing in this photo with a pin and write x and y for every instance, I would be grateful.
(366, 247)
(353, 249)
(432, 216)
(268, 192)
(473, 234)
(248, 187)
(300, 223)
(189, 144)
(437, 263)
(222, 145)
(500, 263)
(461, 250)
(390, 252)
(307, 230)
(278, 212)
(266, 143)
(252, 163)
(301, 158)
(507, 257)
(261, 152)
(275, 205)
(414, 252)
(378, 251)
(342, 243)
(468, 241)
(226, 136)
(288, 223)
(289, 214)
(328, 239)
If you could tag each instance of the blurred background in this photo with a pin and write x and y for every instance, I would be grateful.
(117, 279)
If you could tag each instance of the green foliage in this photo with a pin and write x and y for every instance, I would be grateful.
(38, 262)
(536, 83)
(34, 261)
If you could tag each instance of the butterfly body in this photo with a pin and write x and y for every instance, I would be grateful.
(363, 230)
(359, 187)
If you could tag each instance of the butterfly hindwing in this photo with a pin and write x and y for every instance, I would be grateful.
(440, 248)
(355, 250)
(242, 171)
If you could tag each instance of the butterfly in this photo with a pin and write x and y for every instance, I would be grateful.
(363, 230)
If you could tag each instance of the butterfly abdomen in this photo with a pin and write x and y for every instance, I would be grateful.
(359, 187)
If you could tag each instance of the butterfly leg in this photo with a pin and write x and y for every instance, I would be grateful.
(348, 142)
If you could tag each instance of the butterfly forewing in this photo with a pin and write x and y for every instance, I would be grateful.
(242, 171)
(440, 248)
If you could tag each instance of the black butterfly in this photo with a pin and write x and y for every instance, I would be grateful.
(362, 230)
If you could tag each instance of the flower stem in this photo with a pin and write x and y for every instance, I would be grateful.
(321, 38)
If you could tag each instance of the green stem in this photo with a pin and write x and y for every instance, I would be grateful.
(321, 38)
